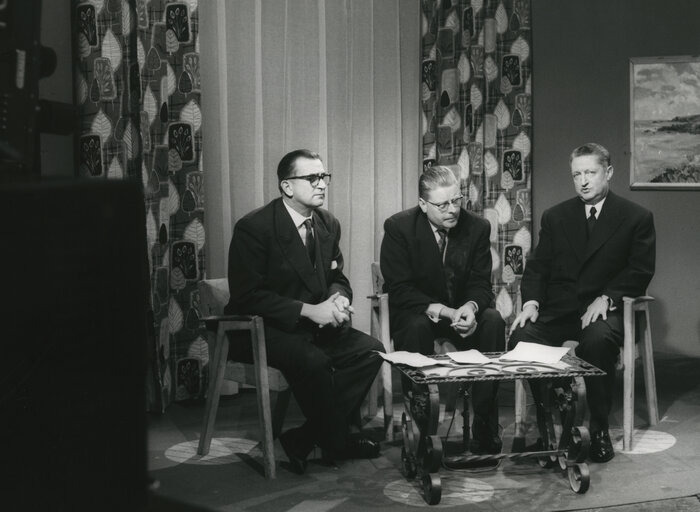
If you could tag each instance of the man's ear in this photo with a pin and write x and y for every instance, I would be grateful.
(609, 172)
(423, 206)
(286, 188)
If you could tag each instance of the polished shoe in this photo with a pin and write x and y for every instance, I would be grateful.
(601, 446)
(296, 449)
(360, 447)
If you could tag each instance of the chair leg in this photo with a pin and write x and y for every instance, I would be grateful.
(628, 378)
(388, 402)
(372, 398)
(520, 416)
(279, 411)
(216, 378)
(648, 363)
(262, 384)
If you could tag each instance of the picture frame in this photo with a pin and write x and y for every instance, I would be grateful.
(665, 122)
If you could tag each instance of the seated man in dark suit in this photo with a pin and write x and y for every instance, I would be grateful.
(593, 250)
(285, 265)
(436, 263)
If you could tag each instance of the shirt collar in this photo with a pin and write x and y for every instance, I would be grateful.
(297, 217)
(598, 207)
(435, 230)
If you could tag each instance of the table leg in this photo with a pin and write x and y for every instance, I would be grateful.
(571, 444)
(421, 453)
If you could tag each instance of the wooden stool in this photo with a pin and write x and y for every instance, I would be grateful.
(213, 295)
(632, 306)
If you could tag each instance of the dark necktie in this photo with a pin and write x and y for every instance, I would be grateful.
(442, 233)
(310, 241)
(591, 221)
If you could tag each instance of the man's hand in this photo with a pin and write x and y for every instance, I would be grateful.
(529, 313)
(325, 313)
(597, 309)
(464, 320)
(344, 309)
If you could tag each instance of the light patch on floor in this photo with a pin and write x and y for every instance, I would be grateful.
(223, 450)
(456, 490)
(316, 505)
(643, 441)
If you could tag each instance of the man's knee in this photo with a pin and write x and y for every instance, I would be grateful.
(492, 331)
(524, 333)
(599, 341)
(492, 318)
(414, 334)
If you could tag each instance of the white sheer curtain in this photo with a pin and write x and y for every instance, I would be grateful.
(340, 77)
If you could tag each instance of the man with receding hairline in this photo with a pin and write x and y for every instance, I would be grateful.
(593, 250)
(436, 263)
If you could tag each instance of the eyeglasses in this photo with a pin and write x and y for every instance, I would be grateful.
(313, 179)
(455, 201)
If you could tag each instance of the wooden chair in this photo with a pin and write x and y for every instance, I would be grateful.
(634, 309)
(379, 328)
(214, 295)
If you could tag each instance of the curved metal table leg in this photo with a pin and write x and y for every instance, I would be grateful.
(572, 442)
(421, 453)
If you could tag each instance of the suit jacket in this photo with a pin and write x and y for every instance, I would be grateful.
(412, 265)
(269, 271)
(567, 271)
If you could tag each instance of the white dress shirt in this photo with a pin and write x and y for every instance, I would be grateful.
(298, 219)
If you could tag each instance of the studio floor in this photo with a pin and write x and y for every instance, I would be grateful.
(662, 472)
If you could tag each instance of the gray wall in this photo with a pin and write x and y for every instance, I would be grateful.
(581, 52)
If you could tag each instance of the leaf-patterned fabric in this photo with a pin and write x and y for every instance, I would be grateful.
(138, 86)
(476, 95)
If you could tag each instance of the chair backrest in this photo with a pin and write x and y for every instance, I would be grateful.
(377, 279)
(213, 296)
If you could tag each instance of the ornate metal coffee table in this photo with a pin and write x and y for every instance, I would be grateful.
(422, 451)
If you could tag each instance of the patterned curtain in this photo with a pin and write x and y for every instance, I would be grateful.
(138, 85)
(477, 120)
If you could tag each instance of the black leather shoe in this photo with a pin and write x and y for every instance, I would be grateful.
(601, 446)
(360, 447)
(295, 450)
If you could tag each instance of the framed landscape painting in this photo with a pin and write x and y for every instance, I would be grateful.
(665, 122)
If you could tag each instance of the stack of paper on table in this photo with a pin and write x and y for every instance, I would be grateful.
(468, 357)
(535, 353)
(413, 359)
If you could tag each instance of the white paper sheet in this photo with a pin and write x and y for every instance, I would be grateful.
(535, 353)
(413, 359)
(472, 356)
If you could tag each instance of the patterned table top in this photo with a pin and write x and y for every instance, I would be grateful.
(446, 370)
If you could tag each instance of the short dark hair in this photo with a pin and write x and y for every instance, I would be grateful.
(434, 177)
(287, 165)
(592, 148)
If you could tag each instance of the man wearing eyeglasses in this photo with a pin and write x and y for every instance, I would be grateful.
(436, 263)
(285, 265)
